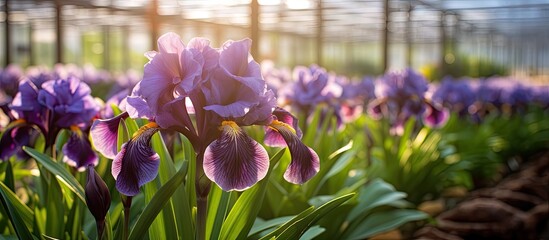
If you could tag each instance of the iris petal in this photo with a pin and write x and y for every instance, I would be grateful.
(104, 135)
(305, 162)
(273, 137)
(19, 135)
(435, 117)
(235, 161)
(136, 163)
(78, 151)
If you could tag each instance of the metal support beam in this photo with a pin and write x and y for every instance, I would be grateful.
(319, 33)
(58, 32)
(7, 40)
(254, 28)
(153, 19)
(409, 35)
(126, 48)
(386, 37)
(443, 44)
(106, 47)
(30, 48)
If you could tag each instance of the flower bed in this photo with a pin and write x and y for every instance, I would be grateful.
(198, 143)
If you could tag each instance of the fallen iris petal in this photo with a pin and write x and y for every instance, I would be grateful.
(235, 161)
(78, 151)
(104, 135)
(305, 162)
(136, 163)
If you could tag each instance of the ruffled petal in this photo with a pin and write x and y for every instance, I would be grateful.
(305, 162)
(235, 161)
(233, 110)
(137, 107)
(78, 151)
(174, 113)
(104, 135)
(136, 163)
(261, 114)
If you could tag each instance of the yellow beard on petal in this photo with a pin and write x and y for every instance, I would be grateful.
(230, 127)
(276, 125)
(75, 129)
(144, 128)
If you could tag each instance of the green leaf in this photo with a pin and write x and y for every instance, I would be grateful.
(375, 194)
(218, 204)
(19, 214)
(156, 228)
(312, 233)
(55, 221)
(156, 204)
(288, 224)
(123, 135)
(73, 225)
(9, 179)
(261, 225)
(384, 221)
(166, 171)
(341, 163)
(59, 171)
(244, 212)
(296, 230)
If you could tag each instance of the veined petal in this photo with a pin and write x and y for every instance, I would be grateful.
(136, 163)
(235, 161)
(272, 137)
(305, 162)
(78, 151)
(104, 135)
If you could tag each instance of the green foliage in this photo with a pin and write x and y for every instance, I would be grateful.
(419, 162)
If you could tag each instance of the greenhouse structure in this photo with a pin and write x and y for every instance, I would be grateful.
(274, 119)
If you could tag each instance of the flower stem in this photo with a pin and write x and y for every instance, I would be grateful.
(203, 185)
(127, 202)
(201, 214)
(100, 229)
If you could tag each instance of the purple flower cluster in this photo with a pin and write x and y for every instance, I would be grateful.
(402, 95)
(222, 88)
(492, 95)
(48, 108)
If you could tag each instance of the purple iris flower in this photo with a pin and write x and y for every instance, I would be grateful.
(58, 104)
(541, 96)
(458, 95)
(401, 95)
(276, 78)
(224, 90)
(312, 87)
(9, 79)
(355, 95)
(70, 102)
(39, 75)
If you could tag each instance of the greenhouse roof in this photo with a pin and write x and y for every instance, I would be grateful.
(350, 20)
